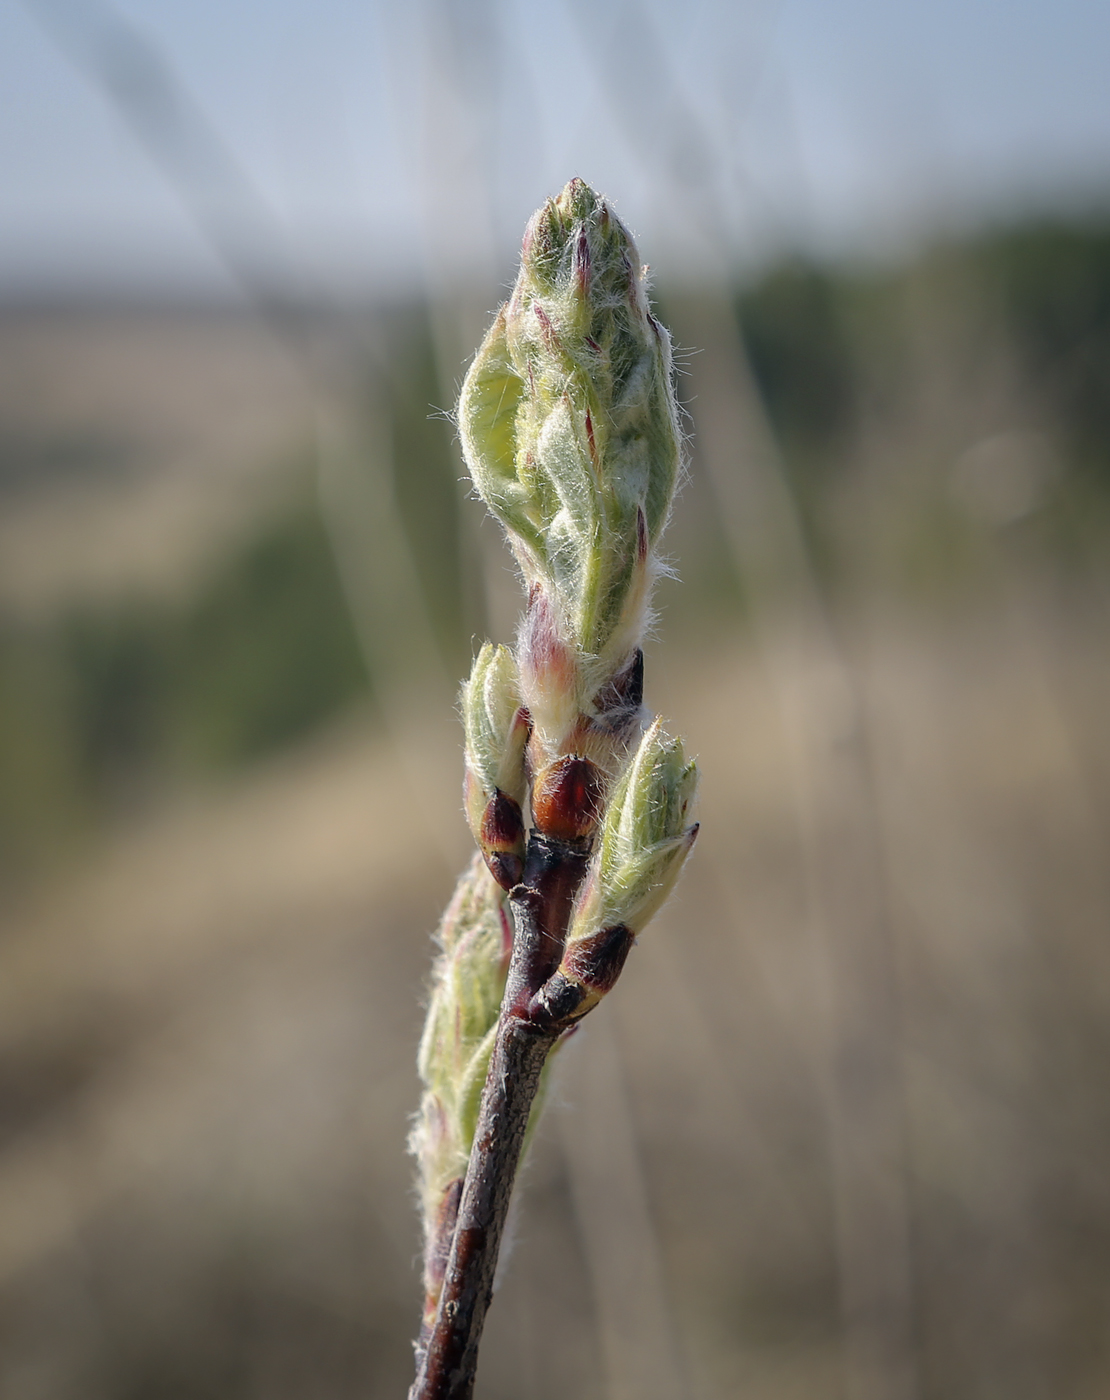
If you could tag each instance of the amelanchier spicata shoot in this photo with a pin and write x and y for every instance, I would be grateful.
(577, 800)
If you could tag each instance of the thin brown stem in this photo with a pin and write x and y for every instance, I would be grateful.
(541, 903)
(449, 1363)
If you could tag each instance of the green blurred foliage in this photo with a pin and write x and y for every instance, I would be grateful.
(267, 651)
(1045, 290)
(43, 799)
(1054, 285)
(107, 706)
(876, 382)
(794, 330)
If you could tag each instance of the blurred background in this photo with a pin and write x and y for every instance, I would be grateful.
(843, 1132)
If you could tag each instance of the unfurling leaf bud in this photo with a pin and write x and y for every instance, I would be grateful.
(467, 984)
(570, 430)
(495, 785)
(644, 839)
(642, 847)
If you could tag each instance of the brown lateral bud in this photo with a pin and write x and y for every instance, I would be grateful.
(596, 962)
(558, 1001)
(501, 837)
(567, 798)
(589, 969)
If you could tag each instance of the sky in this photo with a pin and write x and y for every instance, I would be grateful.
(355, 146)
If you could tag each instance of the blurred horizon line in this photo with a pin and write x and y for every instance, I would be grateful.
(366, 289)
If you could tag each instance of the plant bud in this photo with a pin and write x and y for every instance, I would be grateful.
(501, 840)
(567, 798)
(590, 968)
(468, 981)
(495, 783)
(570, 430)
(643, 844)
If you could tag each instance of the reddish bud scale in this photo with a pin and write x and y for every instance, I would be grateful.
(567, 798)
(582, 264)
(641, 536)
(596, 962)
(438, 1247)
(501, 838)
(551, 340)
(506, 867)
(558, 1002)
(589, 969)
(545, 658)
(590, 437)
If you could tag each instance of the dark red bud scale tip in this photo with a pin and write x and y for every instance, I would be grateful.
(551, 340)
(506, 868)
(438, 1248)
(567, 798)
(596, 962)
(590, 437)
(557, 1002)
(641, 535)
(582, 263)
(589, 969)
(502, 840)
(502, 823)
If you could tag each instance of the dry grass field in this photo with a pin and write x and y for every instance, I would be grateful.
(208, 1036)
(893, 932)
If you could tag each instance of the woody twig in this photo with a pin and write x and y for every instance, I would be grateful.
(577, 799)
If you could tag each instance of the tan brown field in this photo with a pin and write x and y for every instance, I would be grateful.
(209, 1012)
